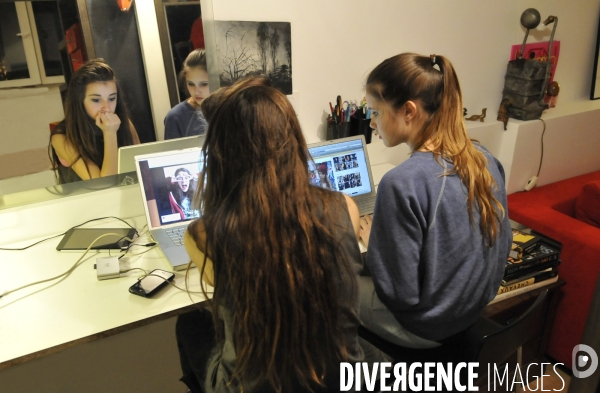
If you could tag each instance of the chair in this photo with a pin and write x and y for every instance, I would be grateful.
(182, 50)
(486, 342)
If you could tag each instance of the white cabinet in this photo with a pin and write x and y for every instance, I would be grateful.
(24, 55)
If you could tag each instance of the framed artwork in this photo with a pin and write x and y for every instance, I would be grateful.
(255, 48)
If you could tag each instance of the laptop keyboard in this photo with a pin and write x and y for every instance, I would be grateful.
(365, 206)
(176, 235)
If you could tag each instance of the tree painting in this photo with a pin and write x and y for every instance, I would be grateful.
(262, 35)
(255, 48)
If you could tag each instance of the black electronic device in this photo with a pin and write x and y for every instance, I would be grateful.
(77, 239)
(152, 283)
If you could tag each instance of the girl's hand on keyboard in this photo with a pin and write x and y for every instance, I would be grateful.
(365, 228)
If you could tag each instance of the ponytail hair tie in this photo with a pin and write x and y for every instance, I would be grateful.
(434, 63)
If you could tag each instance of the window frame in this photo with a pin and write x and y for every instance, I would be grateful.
(45, 79)
(29, 48)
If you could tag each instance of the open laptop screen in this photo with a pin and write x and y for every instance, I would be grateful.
(126, 154)
(340, 166)
(169, 181)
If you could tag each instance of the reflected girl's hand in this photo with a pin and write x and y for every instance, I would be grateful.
(108, 122)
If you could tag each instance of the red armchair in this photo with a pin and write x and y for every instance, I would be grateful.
(550, 210)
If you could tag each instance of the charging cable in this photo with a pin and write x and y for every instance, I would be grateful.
(61, 234)
(65, 274)
(531, 182)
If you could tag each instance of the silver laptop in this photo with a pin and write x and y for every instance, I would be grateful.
(168, 181)
(343, 165)
(126, 154)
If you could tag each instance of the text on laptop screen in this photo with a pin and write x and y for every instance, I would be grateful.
(340, 167)
(171, 180)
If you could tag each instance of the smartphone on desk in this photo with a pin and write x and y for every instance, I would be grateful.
(151, 284)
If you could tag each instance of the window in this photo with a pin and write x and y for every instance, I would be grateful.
(29, 35)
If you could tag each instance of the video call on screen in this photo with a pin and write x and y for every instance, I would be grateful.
(173, 188)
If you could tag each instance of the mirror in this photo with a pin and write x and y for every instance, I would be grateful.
(595, 94)
(27, 112)
(181, 31)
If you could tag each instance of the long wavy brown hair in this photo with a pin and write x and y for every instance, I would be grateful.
(409, 76)
(275, 257)
(80, 130)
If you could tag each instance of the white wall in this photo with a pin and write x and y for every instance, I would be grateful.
(336, 43)
(25, 115)
(571, 147)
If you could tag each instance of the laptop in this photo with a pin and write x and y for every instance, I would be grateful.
(343, 165)
(125, 162)
(168, 181)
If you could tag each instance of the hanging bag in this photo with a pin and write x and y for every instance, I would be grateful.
(526, 79)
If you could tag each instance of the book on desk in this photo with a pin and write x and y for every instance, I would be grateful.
(532, 263)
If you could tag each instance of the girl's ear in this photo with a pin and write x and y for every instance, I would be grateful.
(409, 110)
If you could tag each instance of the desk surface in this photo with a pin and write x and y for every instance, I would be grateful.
(52, 316)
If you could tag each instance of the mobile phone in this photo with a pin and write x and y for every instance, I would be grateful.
(151, 284)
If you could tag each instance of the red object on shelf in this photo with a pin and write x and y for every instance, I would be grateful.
(73, 38)
(124, 5)
(77, 59)
(53, 125)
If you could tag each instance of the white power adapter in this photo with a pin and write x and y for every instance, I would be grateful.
(107, 267)
(531, 183)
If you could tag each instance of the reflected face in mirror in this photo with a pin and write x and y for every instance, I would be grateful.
(196, 80)
(100, 97)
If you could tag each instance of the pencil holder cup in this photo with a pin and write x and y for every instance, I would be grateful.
(337, 130)
(361, 127)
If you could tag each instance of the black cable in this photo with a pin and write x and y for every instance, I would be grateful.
(542, 156)
(61, 234)
(131, 245)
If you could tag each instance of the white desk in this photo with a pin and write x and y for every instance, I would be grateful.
(41, 327)
(49, 317)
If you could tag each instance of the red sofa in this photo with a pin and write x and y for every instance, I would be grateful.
(551, 210)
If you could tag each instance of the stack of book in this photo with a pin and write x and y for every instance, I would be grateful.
(532, 263)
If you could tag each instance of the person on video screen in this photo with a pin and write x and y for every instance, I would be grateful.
(184, 186)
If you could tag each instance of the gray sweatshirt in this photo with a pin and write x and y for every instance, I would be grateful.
(430, 266)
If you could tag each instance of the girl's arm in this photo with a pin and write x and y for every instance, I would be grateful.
(354, 215)
(109, 123)
(197, 255)
(70, 157)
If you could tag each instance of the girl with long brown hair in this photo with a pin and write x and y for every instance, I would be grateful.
(84, 145)
(439, 238)
(282, 256)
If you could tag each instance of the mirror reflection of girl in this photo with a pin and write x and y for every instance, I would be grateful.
(186, 118)
(84, 145)
(184, 185)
